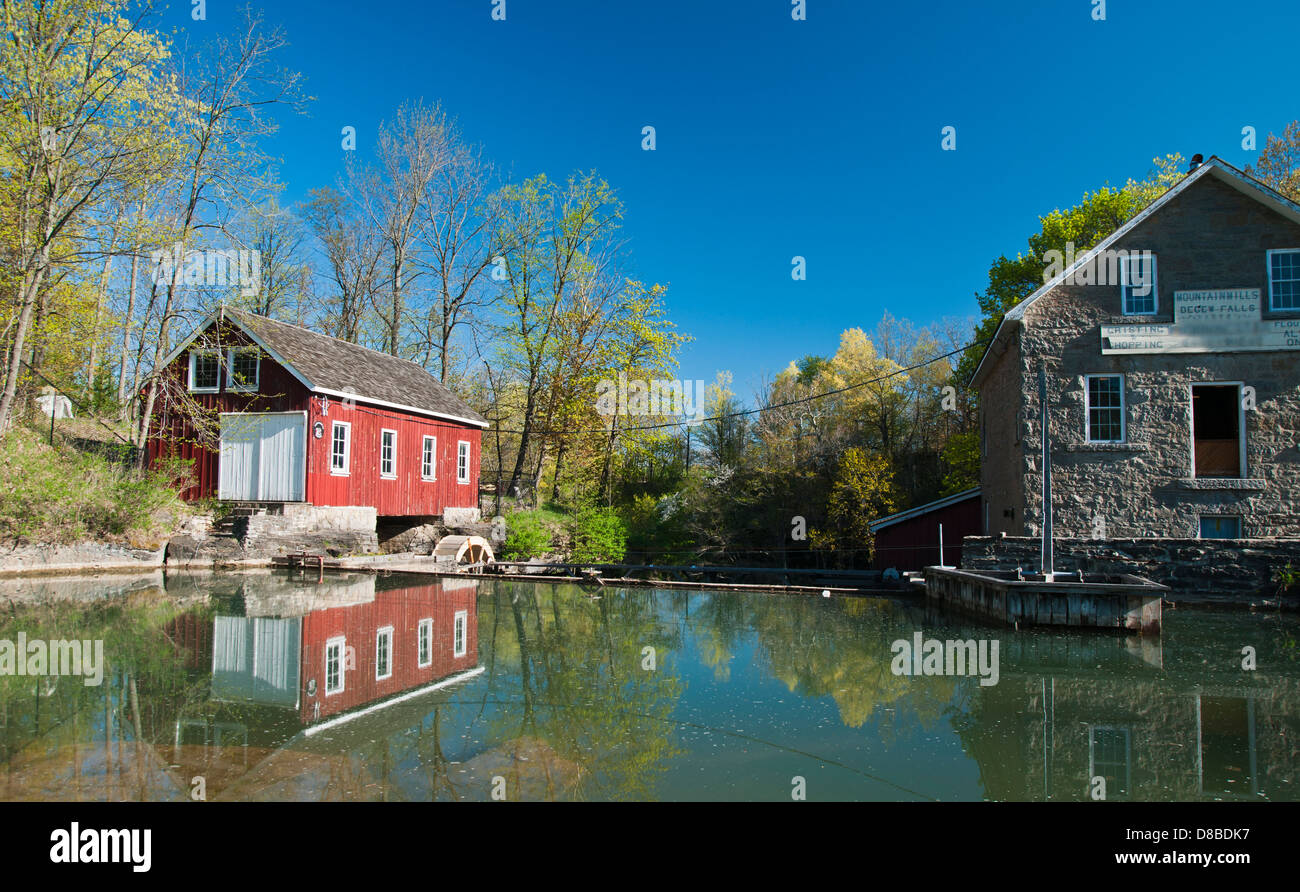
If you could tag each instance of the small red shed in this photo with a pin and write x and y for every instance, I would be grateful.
(274, 412)
(909, 540)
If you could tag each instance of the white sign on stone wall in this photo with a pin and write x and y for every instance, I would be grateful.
(1225, 321)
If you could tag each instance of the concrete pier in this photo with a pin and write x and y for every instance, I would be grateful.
(1122, 601)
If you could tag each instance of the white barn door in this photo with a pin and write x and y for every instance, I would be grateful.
(263, 456)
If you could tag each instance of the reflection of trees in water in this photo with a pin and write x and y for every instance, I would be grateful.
(572, 667)
(841, 649)
(51, 728)
(838, 648)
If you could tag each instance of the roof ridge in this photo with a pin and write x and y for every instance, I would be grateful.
(1017, 312)
(321, 334)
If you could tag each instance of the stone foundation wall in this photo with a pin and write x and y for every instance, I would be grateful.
(83, 557)
(1210, 571)
(456, 517)
(259, 538)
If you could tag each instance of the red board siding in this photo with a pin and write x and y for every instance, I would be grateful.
(360, 624)
(408, 493)
(280, 391)
(913, 544)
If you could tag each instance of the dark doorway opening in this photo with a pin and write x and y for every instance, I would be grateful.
(1227, 745)
(1216, 430)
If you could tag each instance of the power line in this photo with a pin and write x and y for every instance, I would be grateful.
(746, 412)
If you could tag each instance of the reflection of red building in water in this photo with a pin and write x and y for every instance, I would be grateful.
(403, 639)
(345, 646)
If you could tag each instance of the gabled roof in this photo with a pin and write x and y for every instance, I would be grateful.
(921, 510)
(1215, 167)
(338, 368)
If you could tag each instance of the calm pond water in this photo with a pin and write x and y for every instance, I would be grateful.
(257, 687)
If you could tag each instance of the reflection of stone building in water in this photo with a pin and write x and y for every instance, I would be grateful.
(1152, 734)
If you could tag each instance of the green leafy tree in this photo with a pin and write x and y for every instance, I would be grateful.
(1100, 213)
(863, 490)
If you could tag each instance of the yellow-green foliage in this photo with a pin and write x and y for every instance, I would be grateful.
(55, 494)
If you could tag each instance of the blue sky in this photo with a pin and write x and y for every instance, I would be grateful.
(818, 138)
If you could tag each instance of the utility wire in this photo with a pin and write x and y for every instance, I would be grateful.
(746, 412)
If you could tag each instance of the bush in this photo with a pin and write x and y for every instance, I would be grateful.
(655, 531)
(1287, 579)
(599, 536)
(527, 536)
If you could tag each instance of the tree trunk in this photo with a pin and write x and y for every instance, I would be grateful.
(91, 366)
(524, 436)
(559, 464)
(160, 350)
(31, 285)
(126, 335)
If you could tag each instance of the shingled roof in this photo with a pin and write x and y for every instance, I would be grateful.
(339, 368)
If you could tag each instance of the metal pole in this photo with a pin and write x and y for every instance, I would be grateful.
(1047, 477)
(941, 545)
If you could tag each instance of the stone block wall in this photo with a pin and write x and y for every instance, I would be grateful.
(1209, 237)
(260, 538)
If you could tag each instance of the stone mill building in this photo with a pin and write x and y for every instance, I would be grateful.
(1172, 352)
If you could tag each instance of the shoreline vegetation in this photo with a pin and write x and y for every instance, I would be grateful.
(56, 495)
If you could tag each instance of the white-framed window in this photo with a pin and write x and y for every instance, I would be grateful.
(243, 366)
(462, 461)
(205, 371)
(387, 453)
(1110, 750)
(1105, 419)
(424, 642)
(459, 637)
(1137, 274)
(1284, 279)
(341, 448)
(384, 653)
(334, 665)
(429, 459)
(1220, 526)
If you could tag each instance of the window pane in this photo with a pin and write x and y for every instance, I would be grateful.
(382, 647)
(243, 368)
(1220, 527)
(1139, 284)
(458, 636)
(1110, 757)
(1284, 276)
(207, 370)
(1105, 409)
(333, 668)
(339, 451)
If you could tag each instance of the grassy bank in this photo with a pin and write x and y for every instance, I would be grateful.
(58, 495)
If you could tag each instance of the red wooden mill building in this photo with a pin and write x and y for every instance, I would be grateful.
(290, 415)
